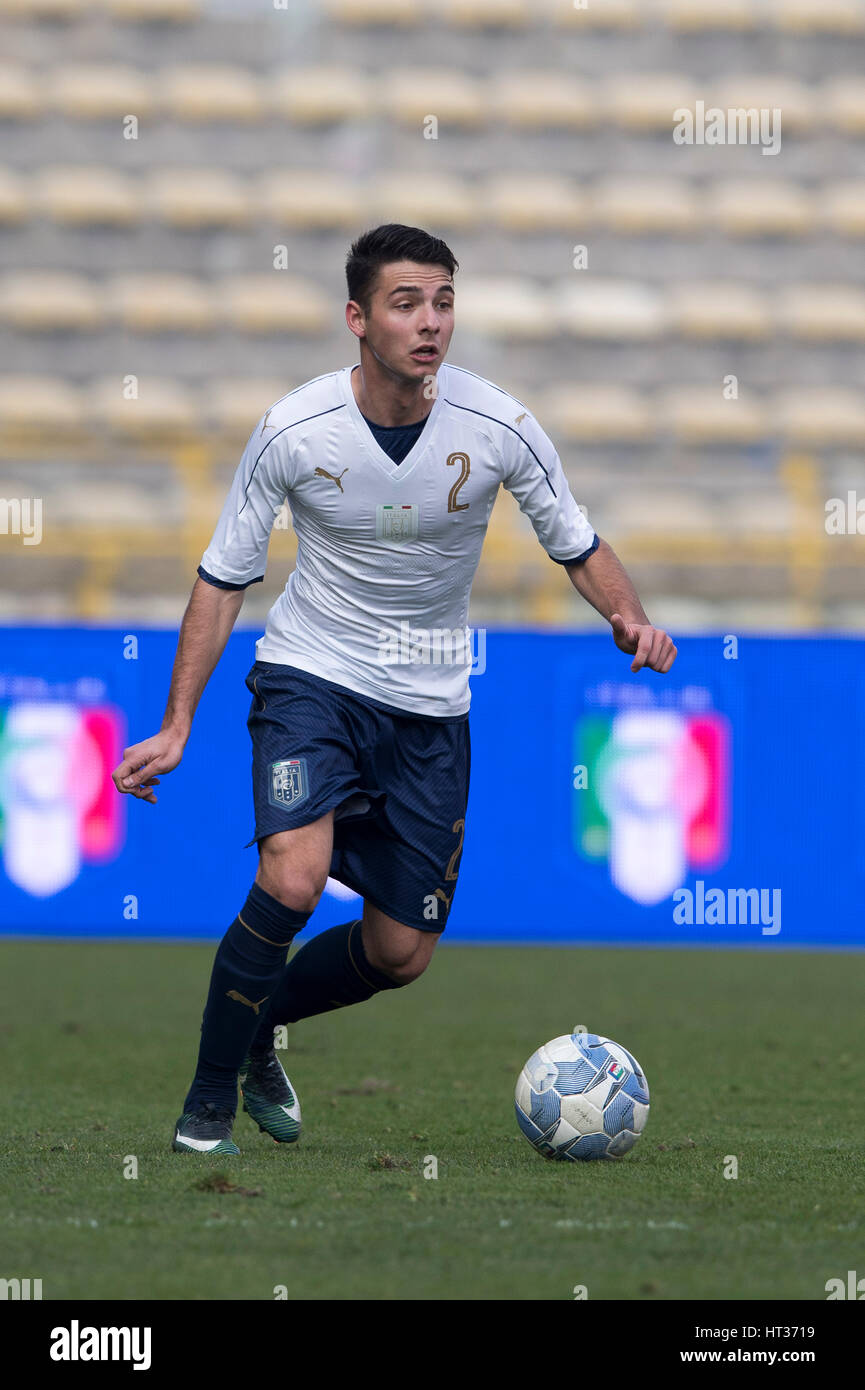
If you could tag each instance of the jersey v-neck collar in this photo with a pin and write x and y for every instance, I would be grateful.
(395, 471)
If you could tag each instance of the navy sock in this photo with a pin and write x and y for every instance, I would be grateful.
(249, 965)
(330, 972)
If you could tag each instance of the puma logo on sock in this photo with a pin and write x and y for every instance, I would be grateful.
(242, 999)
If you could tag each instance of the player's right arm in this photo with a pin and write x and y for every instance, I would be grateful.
(235, 558)
(207, 623)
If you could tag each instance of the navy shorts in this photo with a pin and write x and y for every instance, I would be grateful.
(398, 783)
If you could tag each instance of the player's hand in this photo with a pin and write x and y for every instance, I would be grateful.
(648, 645)
(136, 774)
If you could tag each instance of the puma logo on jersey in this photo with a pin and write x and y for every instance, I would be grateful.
(323, 473)
(440, 893)
(520, 418)
(242, 999)
(265, 425)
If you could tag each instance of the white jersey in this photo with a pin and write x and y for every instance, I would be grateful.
(386, 552)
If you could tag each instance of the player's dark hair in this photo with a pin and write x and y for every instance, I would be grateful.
(391, 242)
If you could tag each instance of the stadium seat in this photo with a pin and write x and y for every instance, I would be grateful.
(818, 16)
(373, 12)
(797, 101)
(823, 312)
(234, 405)
(598, 14)
(844, 102)
(320, 95)
(14, 198)
(49, 301)
(39, 407)
(842, 207)
(155, 11)
(816, 416)
(646, 100)
(597, 413)
(503, 307)
(163, 409)
(305, 198)
(486, 14)
(101, 92)
(618, 310)
(420, 199)
(760, 207)
(721, 309)
(20, 95)
(43, 9)
(202, 93)
(274, 303)
(157, 302)
(85, 196)
(693, 16)
(528, 201)
(542, 100)
(698, 414)
(410, 95)
(671, 511)
(197, 198)
(645, 205)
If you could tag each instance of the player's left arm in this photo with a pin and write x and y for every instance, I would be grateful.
(603, 582)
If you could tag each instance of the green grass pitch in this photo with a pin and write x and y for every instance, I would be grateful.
(748, 1054)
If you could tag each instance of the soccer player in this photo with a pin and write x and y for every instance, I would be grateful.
(360, 753)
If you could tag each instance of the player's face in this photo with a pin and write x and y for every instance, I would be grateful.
(411, 318)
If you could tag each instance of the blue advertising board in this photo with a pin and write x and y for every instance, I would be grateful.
(723, 803)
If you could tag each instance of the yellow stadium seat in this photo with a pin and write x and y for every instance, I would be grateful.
(156, 302)
(797, 102)
(720, 309)
(539, 99)
(197, 198)
(598, 14)
(370, 12)
(39, 407)
(693, 16)
(818, 16)
(163, 409)
(85, 196)
(844, 103)
(410, 95)
(309, 198)
(274, 303)
(49, 301)
(597, 413)
(842, 207)
(646, 100)
(320, 95)
(816, 416)
(234, 405)
(641, 205)
(437, 200)
(698, 414)
(823, 312)
(14, 198)
(94, 92)
(20, 95)
(43, 9)
(527, 202)
(486, 14)
(761, 207)
(503, 307)
(211, 92)
(154, 11)
(618, 310)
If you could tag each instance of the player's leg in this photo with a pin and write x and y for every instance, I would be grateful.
(398, 951)
(249, 964)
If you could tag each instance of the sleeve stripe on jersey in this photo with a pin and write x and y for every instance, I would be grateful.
(223, 584)
(578, 560)
(512, 430)
(329, 411)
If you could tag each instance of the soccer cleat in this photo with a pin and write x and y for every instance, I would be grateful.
(206, 1130)
(268, 1097)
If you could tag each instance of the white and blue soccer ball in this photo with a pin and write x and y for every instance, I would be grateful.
(580, 1097)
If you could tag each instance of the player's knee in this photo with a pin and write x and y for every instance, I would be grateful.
(402, 964)
(295, 888)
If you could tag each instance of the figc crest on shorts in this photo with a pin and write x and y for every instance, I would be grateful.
(289, 783)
